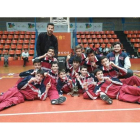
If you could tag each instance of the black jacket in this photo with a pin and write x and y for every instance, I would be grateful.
(44, 42)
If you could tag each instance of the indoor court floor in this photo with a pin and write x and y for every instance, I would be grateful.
(75, 109)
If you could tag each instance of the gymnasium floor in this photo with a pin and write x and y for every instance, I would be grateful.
(75, 109)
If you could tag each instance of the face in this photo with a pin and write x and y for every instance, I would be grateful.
(91, 57)
(62, 75)
(25, 51)
(54, 67)
(78, 52)
(117, 48)
(39, 77)
(37, 66)
(50, 52)
(75, 65)
(83, 71)
(50, 30)
(99, 75)
(105, 62)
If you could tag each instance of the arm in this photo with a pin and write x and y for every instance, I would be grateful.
(26, 73)
(56, 48)
(127, 63)
(38, 48)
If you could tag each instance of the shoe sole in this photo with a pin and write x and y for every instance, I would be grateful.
(60, 100)
(106, 99)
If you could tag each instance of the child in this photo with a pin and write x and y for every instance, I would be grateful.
(6, 58)
(52, 77)
(92, 62)
(84, 77)
(25, 56)
(116, 89)
(74, 67)
(110, 69)
(29, 88)
(78, 51)
(64, 84)
(47, 59)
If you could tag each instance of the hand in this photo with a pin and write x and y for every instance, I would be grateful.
(77, 75)
(33, 79)
(34, 72)
(87, 59)
(93, 64)
(48, 85)
(112, 64)
(108, 79)
(68, 56)
(85, 85)
(45, 74)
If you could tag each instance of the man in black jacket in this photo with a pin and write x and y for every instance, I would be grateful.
(45, 40)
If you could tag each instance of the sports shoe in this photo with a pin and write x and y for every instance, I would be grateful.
(58, 101)
(106, 99)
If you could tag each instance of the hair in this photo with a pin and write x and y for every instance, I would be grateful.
(36, 61)
(51, 47)
(54, 62)
(97, 70)
(115, 43)
(77, 59)
(89, 51)
(41, 72)
(78, 47)
(103, 57)
(50, 24)
(61, 70)
(83, 66)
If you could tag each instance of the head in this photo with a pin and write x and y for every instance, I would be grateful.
(78, 50)
(83, 70)
(25, 50)
(37, 64)
(98, 74)
(104, 61)
(39, 75)
(51, 51)
(117, 47)
(50, 28)
(54, 66)
(76, 62)
(62, 74)
(90, 54)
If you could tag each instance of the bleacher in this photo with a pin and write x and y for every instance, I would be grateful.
(14, 42)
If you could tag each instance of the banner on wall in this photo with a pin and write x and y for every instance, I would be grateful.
(41, 27)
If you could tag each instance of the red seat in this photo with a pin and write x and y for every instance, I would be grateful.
(4, 51)
(86, 45)
(1, 32)
(0, 52)
(97, 45)
(92, 32)
(26, 41)
(30, 57)
(10, 58)
(16, 36)
(81, 45)
(96, 32)
(117, 40)
(84, 41)
(108, 45)
(137, 40)
(5, 32)
(126, 32)
(95, 40)
(103, 36)
(13, 47)
(25, 46)
(129, 36)
(109, 36)
(28, 33)
(78, 33)
(4, 37)
(78, 36)
(20, 41)
(90, 41)
(31, 46)
(134, 36)
(33, 36)
(6, 47)
(8, 42)
(112, 32)
(88, 36)
(82, 36)
(98, 36)
(2, 41)
(32, 41)
(106, 41)
(17, 32)
(18, 52)
(11, 32)
(130, 32)
(31, 52)
(19, 47)
(1, 47)
(135, 32)
(136, 45)
(87, 32)
(114, 36)
(139, 50)
(10, 37)
(21, 36)
(11, 52)
(138, 35)
(111, 41)
(27, 37)
(102, 32)
(103, 45)
(32, 33)
(93, 36)
(14, 41)
(79, 41)
(101, 40)
(107, 32)
(22, 32)
(82, 33)
(91, 45)
(132, 40)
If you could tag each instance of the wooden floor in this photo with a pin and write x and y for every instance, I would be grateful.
(75, 109)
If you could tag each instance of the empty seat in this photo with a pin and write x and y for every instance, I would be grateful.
(8, 42)
(86, 45)
(111, 41)
(91, 45)
(11, 32)
(103, 45)
(28, 33)
(135, 32)
(78, 33)
(103, 36)
(137, 40)
(32, 36)
(26, 41)
(138, 49)
(117, 40)
(79, 41)
(93, 36)
(107, 32)
(101, 40)
(19, 47)
(109, 36)
(96, 32)
(84, 41)
(92, 32)
(21, 36)
(31, 52)
(108, 45)
(31, 46)
(30, 57)
(129, 36)
(14, 41)
(27, 37)
(78, 36)
(22, 32)
(6, 47)
(1, 47)
(90, 41)
(17, 32)
(98, 36)
(126, 32)
(18, 52)
(20, 41)
(130, 32)
(97, 45)
(87, 33)
(132, 40)
(88, 36)
(106, 41)
(95, 40)
(4, 37)
(1, 32)
(82, 36)
(112, 32)
(5, 32)
(32, 33)
(138, 35)
(13, 47)
(16, 37)
(4, 51)
(10, 37)
(11, 52)
(133, 36)
(32, 41)
(0, 52)
(136, 45)
(25, 46)
(102, 32)
(82, 33)
(10, 58)
(114, 36)
(2, 41)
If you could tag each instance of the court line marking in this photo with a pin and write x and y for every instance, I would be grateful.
(74, 111)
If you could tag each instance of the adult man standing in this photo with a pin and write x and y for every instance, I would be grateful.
(45, 40)
(120, 58)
